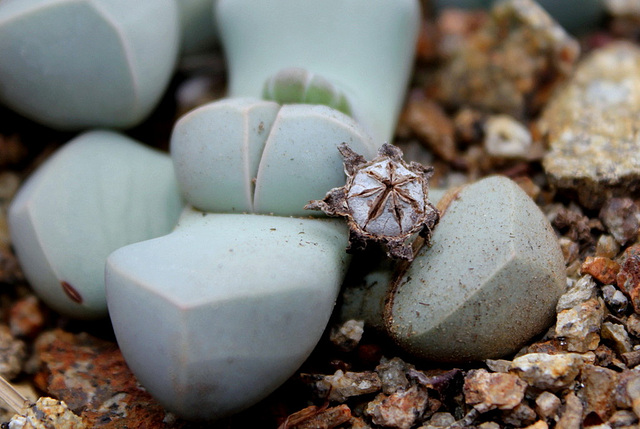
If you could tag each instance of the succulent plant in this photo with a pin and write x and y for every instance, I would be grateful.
(235, 302)
(82, 64)
(365, 48)
(97, 193)
(228, 305)
(247, 155)
(488, 283)
(215, 315)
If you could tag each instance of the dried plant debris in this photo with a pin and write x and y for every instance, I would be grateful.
(384, 200)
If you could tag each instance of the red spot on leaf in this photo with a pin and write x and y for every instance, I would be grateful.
(71, 292)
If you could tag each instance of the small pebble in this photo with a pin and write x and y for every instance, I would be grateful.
(633, 325)
(603, 270)
(347, 336)
(628, 279)
(597, 393)
(581, 291)
(547, 405)
(621, 217)
(393, 375)
(618, 335)
(488, 391)
(13, 353)
(521, 415)
(579, 326)
(631, 358)
(428, 121)
(92, 378)
(622, 7)
(607, 246)
(590, 127)
(489, 425)
(548, 372)
(622, 418)
(571, 416)
(570, 249)
(343, 385)
(505, 137)
(498, 365)
(540, 424)
(442, 419)
(314, 418)
(48, 413)
(616, 301)
(511, 64)
(399, 410)
(26, 317)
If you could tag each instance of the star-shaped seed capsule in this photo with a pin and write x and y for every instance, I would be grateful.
(384, 200)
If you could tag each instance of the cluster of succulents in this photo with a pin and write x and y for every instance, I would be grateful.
(216, 279)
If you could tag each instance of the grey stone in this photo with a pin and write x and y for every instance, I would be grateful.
(488, 283)
(580, 326)
(590, 126)
(505, 137)
(618, 335)
(547, 371)
(581, 291)
(547, 405)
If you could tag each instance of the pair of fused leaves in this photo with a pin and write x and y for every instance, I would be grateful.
(255, 156)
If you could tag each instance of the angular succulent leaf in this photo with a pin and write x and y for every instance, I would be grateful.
(216, 150)
(489, 282)
(229, 306)
(99, 192)
(250, 155)
(294, 85)
(364, 47)
(81, 64)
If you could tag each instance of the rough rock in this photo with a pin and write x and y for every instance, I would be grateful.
(604, 270)
(618, 335)
(546, 371)
(426, 120)
(607, 246)
(505, 137)
(628, 278)
(399, 410)
(393, 375)
(621, 216)
(580, 326)
(571, 416)
(581, 291)
(633, 325)
(13, 353)
(547, 405)
(521, 415)
(597, 393)
(314, 417)
(26, 317)
(590, 127)
(93, 379)
(488, 391)
(511, 64)
(616, 301)
(342, 385)
(48, 413)
(347, 335)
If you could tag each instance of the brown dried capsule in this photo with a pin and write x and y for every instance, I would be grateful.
(384, 200)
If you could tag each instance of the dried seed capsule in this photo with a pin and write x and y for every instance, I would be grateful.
(384, 200)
